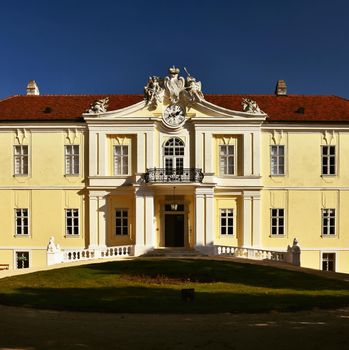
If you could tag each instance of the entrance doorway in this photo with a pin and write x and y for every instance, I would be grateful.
(174, 230)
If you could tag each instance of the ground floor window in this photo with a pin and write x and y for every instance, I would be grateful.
(277, 221)
(121, 222)
(328, 261)
(72, 222)
(22, 260)
(227, 222)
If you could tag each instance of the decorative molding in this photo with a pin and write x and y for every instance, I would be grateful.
(71, 135)
(328, 136)
(21, 135)
(277, 136)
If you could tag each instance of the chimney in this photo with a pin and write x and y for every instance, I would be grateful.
(32, 88)
(281, 88)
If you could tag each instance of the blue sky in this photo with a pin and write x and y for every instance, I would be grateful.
(83, 47)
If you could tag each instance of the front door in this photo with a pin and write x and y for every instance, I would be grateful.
(174, 230)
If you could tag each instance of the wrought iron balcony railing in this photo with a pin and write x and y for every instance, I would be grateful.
(173, 175)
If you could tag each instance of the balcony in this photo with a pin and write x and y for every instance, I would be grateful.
(173, 175)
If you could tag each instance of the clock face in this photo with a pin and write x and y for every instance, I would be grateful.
(174, 116)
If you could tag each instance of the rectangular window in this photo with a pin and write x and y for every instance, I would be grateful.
(22, 221)
(277, 222)
(72, 159)
(22, 260)
(121, 222)
(227, 221)
(72, 222)
(328, 160)
(21, 160)
(328, 222)
(120, 160)
(277, 160)
(328, 261)
(226, 159)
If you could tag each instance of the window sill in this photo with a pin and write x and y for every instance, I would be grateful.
(277, 175)
(71, 175)
(20, 175)
(278, 236)
(72, 236)
(329, 236)
(21, 236)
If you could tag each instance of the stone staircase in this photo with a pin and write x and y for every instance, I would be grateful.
(173, 253)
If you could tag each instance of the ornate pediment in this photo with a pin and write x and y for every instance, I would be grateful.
(172, 88)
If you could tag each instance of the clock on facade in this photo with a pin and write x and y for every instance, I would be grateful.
(174, 116)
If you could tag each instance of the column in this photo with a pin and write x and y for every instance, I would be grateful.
(256, 223)
(247, 154)
(93, 222)
(257, 153)
(199, 219)
(208, 166)
(140, 153)
(102, 218)
(198, 150)
(210, 218)
(149, 220)
(247, 220)
(92, 152)
(139, 222)
(102, 155)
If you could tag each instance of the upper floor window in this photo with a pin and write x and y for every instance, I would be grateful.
(277, 221)
(328, 160)
(71, 159)
(174, 156)
(121, 222)
(328, 222)
(227, 159)
(277, 160)
(21, 160)
(121, 160)
(227, 221)
(72, 222)
(22, 221)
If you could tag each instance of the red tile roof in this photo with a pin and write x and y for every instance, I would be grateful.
(293, 108)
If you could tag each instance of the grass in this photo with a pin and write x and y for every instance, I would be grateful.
(154, 286)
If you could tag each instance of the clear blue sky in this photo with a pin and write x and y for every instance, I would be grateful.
(105, 46)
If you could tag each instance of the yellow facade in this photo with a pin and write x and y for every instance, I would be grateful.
(138, 177)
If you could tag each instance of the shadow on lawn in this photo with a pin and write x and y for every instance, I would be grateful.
(211, 271)
(163, 300)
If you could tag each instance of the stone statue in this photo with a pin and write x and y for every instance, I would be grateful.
(99, 106)
(250, 106)
(193, 88)
(154, 91)
(51, 247)
(174, 85)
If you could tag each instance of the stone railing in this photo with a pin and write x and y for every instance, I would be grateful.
(251, 253)
(68, 255)
(291, 255)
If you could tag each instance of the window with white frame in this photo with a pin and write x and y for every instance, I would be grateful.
(277, 160)
(174, 156)
(328, 160)
(21, 160)
(121, 222)
(72, 222)
(277, 221)
(328, 261)
(72, 159)
(22, 260)
(21, 222)
(227, 159)
(121, 160)
(328, 222)
(226, 222)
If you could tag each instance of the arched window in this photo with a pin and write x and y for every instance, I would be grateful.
(174, 156)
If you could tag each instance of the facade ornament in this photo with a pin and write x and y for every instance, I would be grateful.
(193, 88)
(154, 90)
(250, 106)
(172, 88)
(99, 106)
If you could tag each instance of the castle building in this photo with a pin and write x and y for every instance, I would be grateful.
(88, 176)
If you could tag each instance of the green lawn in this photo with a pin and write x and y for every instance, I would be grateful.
(154, 286)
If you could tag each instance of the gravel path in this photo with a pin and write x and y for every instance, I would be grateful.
(29, 329)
